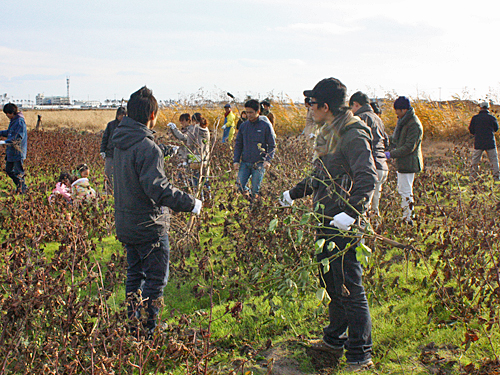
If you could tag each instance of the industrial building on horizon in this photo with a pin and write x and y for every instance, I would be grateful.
(41, 99)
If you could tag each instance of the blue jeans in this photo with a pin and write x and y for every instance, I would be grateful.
(148, 269)
(256, 171)
(15, 171)
(225, 134)
(346, 311)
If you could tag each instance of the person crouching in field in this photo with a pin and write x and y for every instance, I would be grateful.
(341, 184)
(63, 188)
(143, 196)
(253, 150)
(406, 148)
(80, 188)
(17, 146)
(483, 127)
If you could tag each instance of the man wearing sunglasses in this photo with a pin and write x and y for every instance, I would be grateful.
(342, 183)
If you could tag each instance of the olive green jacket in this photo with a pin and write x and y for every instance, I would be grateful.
(406, 144)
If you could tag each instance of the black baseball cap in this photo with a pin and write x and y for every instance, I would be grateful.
(329, 89)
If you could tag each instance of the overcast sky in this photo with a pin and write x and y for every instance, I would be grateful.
(111, 48)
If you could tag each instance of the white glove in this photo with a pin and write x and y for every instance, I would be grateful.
(342, 221)
(197, 207)
(3, 143)
(175, 149)
(223, 126)
(312, 135)
(103, 155)
(286, 200)
(172, 126)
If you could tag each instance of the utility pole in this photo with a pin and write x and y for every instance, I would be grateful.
(67, 89)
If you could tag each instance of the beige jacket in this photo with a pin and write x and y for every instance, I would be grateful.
(197, 143)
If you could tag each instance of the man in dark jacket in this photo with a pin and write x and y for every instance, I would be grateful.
(253, 149)
(406, 148)
(483, 127)
(17, 146)
(108, 149)
(143, 196)
(341, 184)
(265, 110)
(360, 106)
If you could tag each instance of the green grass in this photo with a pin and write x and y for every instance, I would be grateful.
(408, 316)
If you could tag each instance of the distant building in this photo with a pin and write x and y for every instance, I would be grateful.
(41, 99)
(87, 103)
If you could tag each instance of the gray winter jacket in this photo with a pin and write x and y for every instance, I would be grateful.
(380, 140)
(142, 191)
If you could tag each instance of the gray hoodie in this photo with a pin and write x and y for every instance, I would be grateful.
(142, 191)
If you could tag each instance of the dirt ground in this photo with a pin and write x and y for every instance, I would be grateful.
(281, 360)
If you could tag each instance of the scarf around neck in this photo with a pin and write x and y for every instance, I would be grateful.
(329, 134)
(402, 122)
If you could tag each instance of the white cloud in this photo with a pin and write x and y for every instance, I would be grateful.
(325, 28)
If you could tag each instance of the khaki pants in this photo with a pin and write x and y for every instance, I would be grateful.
(493, 158)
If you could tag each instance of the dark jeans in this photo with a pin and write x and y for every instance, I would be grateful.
(256, 171)
(148, 268)
(15, 171)
(347, 311)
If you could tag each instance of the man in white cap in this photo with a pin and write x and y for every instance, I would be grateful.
(483, 127)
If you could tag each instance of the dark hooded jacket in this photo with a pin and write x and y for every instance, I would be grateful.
(106, 143)
(380, 140)
(483, 126)
(142, 191)
(344, 179)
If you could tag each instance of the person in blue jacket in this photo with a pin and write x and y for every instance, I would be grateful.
(254, 149)
(17, 146)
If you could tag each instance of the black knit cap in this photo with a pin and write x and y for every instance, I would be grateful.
(329, 89)
(402, 103)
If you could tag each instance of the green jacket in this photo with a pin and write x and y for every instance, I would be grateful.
(406, 144)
